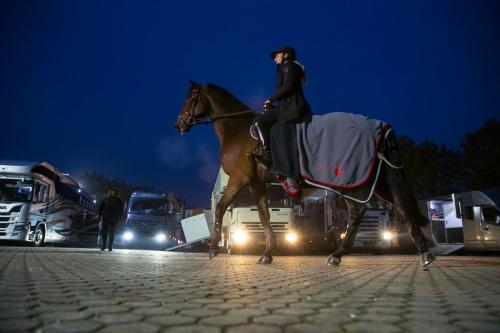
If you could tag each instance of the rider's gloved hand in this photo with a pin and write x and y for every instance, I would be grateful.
(267, 105)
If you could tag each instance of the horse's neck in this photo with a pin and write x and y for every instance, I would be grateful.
(227, 128)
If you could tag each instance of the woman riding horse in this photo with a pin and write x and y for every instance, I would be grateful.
(291, 108)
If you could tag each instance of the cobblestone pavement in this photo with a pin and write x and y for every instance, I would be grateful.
(70, 290)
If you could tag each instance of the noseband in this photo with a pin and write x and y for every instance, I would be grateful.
(191, 120)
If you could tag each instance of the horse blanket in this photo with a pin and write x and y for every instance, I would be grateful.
(339, 149)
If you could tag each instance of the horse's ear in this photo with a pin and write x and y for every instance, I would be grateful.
(193, 84)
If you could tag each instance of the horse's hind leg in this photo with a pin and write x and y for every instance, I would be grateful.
(404, 200)
(356, 212)
(233, 187)
(258, 190)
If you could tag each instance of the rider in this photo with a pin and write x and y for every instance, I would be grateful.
(291, 107)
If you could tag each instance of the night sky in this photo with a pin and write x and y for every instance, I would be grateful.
(97, 85)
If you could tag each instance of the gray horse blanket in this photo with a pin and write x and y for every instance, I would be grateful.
(339, 149)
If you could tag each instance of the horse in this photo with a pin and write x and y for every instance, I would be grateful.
(232, 120)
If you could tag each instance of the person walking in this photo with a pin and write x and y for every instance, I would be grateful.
(111, 212)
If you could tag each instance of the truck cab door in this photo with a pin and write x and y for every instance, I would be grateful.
(490, 226)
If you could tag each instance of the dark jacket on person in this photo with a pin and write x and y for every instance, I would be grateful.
(111, 209)
(292, 105)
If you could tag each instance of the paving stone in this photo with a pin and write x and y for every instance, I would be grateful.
(274, 319)
(225, 320)
(14, 325)
(171, 320)
(116, 318)
(430, 326)
(193, 329)
(153, 311)
(369, 327)
(478, 326)
(70, 326)
(64, 316)
(248, 312)
(253, 328)
(312, 328)
(203, 312)
(130, 327)
(384, 318)
(294, 311)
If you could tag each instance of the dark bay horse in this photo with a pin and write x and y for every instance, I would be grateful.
(232, 120)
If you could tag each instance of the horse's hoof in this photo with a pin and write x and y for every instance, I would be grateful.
(333, 260)
(265, 260)
(212, 253)
(426, 259)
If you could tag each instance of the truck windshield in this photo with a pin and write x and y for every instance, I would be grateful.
(490, 214)
(149, 206)
(15, 190)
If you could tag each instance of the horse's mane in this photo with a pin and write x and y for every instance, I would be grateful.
(224, 97)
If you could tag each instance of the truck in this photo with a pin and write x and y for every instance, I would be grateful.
(39, 205)
(152, 221)
(242, 229)
(322, 219)
(470, 218)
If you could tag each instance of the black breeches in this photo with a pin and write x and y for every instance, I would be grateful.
(108, 226)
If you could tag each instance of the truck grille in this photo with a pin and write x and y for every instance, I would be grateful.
(257, 226)
(369, 229)
(3, 225)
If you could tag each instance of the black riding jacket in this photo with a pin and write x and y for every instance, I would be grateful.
(111, 208)
(292, 104)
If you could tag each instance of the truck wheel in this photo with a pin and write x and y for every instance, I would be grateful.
(39, 236)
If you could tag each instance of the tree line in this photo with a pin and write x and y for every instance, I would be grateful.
(435, 170)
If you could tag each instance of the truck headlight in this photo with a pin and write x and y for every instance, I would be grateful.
(387, 235)
(342, 235)
(128, 236)
(161, 237)
(240, 237)
(291, 237)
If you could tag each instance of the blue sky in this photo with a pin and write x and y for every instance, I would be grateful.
(97, 85)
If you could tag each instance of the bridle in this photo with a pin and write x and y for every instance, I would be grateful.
(193, 120)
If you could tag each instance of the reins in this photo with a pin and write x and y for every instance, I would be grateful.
(211, 119)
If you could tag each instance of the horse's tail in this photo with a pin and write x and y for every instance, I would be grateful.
(396, 180)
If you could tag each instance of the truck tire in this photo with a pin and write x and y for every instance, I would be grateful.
(39, 236)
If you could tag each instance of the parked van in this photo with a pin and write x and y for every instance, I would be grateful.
(471, 218)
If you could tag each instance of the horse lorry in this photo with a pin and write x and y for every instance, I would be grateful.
(39, 204)
(242, 229)
(469, 218)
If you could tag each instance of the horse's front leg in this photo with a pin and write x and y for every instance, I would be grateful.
(258, 190)
(356, 212)
(233, 187)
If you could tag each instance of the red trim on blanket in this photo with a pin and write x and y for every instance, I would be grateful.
(377, 147)
(285, 188)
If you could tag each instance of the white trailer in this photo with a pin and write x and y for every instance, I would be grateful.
(471, 218)
(39, 204)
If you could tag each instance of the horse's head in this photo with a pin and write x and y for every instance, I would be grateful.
(195, 107)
